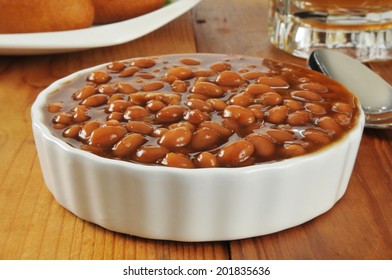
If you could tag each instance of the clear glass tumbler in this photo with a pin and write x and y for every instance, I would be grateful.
(360, 28)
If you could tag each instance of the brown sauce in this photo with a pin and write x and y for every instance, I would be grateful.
(201, 110)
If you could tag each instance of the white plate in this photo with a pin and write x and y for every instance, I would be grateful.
(96, 36)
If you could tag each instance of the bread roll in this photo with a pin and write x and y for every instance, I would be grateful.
(108, 11)
(25, 16)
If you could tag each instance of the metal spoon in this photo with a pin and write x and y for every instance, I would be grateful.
(374, 93)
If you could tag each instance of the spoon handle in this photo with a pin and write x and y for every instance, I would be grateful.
(386, 116)
(384, 124)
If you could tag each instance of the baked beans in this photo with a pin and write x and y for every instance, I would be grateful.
(201, 111)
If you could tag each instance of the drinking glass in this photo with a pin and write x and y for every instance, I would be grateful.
(360, 28)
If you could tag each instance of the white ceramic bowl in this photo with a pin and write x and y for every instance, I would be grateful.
(192, 204)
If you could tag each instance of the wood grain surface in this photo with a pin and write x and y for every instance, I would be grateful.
(34, 226)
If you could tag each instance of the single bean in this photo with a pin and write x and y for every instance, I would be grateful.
(316, 136)
(152, 86)
(190, 61)
(143, 63)
(207, 89)
(204, 73)
(175, 138)
(139, 127)
(107, 89)
(116, 66)
(167, 98)
(72, 131)
(119, 106)
(204, 138)
(202, 79)
(145, 76)
(329, 124)
(217, 104)
(84, 92)
(95, 100)
(159, 132)
(59, 126)
(200, 105)
(115, 116)
(233, 126)
(206, 160)
(293, 150)
(235, 153)
(177, 160)
(126, 88)
(128, 72)
(127, 145)
(306, 95)
(277, 115)
(281, 136)
(197, 96)
(88, 128)
(257, 89)
(196, 116)
(138, 98)
(341, 107)
(263, 145)
(92, 149)
(275, 82)
(155, 106)
(230, 79)
(190, 126)
(248, 162)
(182, 73)
(99, 77)
(270, 99)
(241, 99)
(315, 109)
(293, 105)
(252, 75)
(171, 113)
(116, 96)
(179, 86)
(136, 113)
(106, 136)
(149, 154)
(55, 107)
(168, 79)
(257, 110)
(342, 119)
(222, 131)
(315, 87)
(298, 118)
(241, 115)
(80, 114)
(220, 66)
(112, 123)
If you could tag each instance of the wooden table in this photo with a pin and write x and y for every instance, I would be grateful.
(34, 226)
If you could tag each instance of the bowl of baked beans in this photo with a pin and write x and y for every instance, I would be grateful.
(197, 147)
